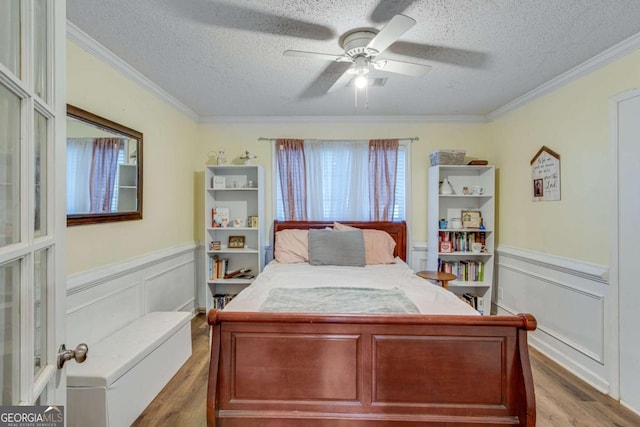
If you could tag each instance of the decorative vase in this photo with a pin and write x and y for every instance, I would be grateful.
(446, 188)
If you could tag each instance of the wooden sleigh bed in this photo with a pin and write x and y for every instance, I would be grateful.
(309, 370)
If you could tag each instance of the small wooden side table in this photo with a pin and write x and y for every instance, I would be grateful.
(439, 276)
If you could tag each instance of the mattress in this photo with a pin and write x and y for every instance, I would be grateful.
(427, 297)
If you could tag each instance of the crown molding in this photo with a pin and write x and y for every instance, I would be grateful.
(345, 119)
(96, 49)
(610, 55)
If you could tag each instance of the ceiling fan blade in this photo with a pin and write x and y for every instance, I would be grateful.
(400, 67)
(341, 82)
(327, 78)
(387, 9)
(443, 54)
(316, 55)
(391, 32)
(226, 15)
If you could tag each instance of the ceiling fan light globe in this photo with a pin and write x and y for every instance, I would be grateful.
(361, 82)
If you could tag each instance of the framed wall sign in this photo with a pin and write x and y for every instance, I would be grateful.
(545, 175)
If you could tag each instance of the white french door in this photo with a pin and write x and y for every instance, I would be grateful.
(626, 236)
(32, 201)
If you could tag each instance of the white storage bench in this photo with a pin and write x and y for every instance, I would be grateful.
(125, 371)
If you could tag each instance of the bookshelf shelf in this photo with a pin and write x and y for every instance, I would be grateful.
(466, 196)
(467, 230)
(467, 284)
(232, 189)
(465, 254)
(243, 282)
(231, 229)
(461, 261)
(225, 250)
(237, 204)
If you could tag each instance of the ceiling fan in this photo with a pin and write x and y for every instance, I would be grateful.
(362, 47)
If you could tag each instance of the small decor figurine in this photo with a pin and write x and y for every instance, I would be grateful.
(222, 157)
(247, 157)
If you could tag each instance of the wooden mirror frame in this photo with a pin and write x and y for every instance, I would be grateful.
(108, 125)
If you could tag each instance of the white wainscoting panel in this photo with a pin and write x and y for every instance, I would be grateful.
(417, 258)
(165, 290)
(570, 300)
(103, 300)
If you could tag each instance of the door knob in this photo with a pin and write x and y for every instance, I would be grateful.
(79, 354)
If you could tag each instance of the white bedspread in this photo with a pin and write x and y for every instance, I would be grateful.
(428, 298)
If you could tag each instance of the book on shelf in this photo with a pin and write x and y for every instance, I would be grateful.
(237, 274)
(218, 267)
(461, 240)
(221, 300)
(474, 301)
(465, 270)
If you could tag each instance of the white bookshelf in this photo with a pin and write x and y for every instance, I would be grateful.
(127, 187)
(243, 196)
(449, 205)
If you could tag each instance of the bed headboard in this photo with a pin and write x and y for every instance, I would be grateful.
(397, 230)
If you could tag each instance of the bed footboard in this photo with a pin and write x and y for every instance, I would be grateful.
(286, 369)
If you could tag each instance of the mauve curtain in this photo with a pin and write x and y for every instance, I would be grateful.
(383, 166)
(104, 169)
(293, 184)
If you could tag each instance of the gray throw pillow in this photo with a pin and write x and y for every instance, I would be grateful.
(328, 247)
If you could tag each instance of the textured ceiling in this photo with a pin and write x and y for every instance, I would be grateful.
(224, 58)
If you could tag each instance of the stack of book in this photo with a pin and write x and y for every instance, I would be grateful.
(219, 300)
(467, 271)
(218, 267)
(461, 240)
(474, 301)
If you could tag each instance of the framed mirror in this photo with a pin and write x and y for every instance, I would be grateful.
(104, 169)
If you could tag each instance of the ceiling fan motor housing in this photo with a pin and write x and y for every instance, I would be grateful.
(355, 43)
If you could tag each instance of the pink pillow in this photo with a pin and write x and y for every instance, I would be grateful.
(378, 244)
(292, 246)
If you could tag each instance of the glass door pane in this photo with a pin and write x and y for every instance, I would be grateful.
(10, 332)
(41, 50)
(10, 35)
(40, 282)
(9, 167)
(40, 145)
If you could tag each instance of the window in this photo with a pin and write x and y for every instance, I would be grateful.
(337, 181)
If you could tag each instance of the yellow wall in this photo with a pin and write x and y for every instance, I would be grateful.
(574, 122)
(169, 150)
(235, 138)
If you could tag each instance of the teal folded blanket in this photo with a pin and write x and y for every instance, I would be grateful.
(339, 300)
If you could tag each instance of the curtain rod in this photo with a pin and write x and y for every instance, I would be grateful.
(415, 138)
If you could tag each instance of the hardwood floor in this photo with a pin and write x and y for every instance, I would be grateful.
(561, 398)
